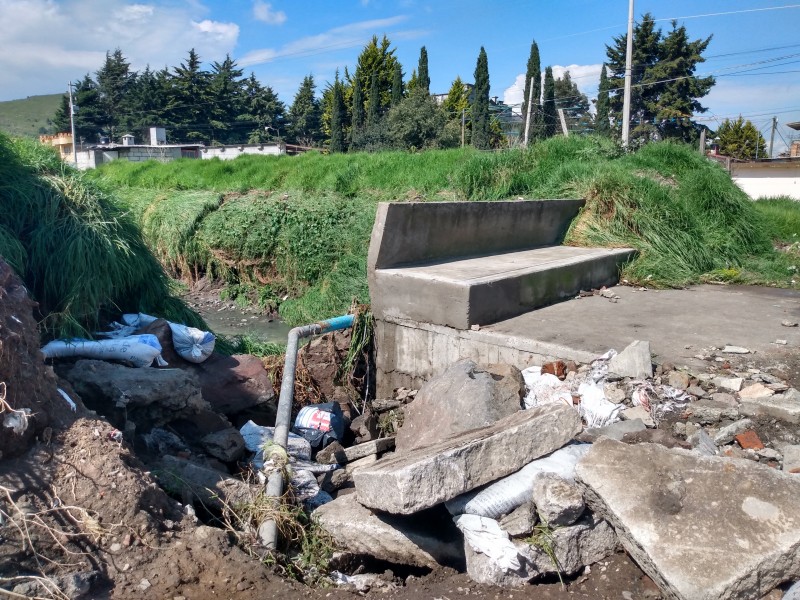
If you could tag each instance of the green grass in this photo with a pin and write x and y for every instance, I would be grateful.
(29, 117)
(296, 229)
(80, 256)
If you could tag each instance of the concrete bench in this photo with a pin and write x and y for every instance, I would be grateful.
(460, 264)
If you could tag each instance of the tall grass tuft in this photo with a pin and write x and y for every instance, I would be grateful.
(81, 258)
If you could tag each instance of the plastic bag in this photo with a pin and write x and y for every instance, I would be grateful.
(320, 424)
(595, 409)
(485, 536)
(191, 343)
(503, 496)
(256, 437)
(139, 350)
(544, 388)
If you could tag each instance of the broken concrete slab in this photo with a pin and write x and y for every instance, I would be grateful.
(755, 391)
(634, 361)
(638, 413)
(791, 458)
(708, 412)
(733, 384)
(700, 527)
(427, 476)
(785, 407)
(615, 431)
(521, 521)
(208, 486)
(558, 502)
(464, 396)
(227, 444)
(336, 454)
(727, 433)
(424, 540)
(678, 379)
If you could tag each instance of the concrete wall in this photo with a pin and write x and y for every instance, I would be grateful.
(417, 232)
(143, 153)
(410, 353)
(760, 180)
(231, 152)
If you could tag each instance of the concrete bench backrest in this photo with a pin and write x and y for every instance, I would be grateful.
(408, 233)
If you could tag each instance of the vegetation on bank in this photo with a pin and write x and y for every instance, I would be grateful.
(301, 246)
(79, 256)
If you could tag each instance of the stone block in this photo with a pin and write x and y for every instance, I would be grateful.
(335, 453)
(708, 411)
(755, 392)
(678, 379)
(733, 384)
(785, 407)
(558, 502)
(700, 527)
(615, 431)
(638, 413)
(464, 396)
(425, 540)
(727, 433)
(521, 521)
(791, 459)
(634, 361)
(425, 477)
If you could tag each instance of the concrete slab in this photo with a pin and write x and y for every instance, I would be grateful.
(702, 528)
(484, 289)
(410, 482)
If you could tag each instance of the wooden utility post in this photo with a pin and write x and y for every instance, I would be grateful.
(626, 106)
(772, 135)
(463, 124)
(563, 122)
(72, 127)
(703, 142)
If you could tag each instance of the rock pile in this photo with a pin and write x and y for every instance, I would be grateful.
(528, 481)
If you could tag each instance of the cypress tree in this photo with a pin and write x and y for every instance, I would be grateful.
(337, 116)
(397, 85)
(602, 126)
(480, 103)
(532, 74)
(549, 114)
(358, 103)
(423, 79)
(374, 101)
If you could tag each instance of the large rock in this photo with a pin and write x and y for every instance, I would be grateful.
(233, 384)
(558, 502)
(209, 487)
(635, 361)
(464, 396)
(427, 476)
(425, 540)
(700, 527)
(588, 541)
(147, 397)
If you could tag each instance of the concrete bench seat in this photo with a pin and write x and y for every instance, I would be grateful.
(480, 290)
(460, 264)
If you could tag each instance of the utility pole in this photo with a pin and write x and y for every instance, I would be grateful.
(626, 106)
(528, 116)
(772, 135)
(563, 122)
(703, 142)
(72, 126)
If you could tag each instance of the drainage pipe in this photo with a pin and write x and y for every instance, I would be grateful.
(268, 531)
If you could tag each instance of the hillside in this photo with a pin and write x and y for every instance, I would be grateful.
(29, 117)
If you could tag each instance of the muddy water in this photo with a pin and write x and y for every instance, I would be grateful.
(227, 318)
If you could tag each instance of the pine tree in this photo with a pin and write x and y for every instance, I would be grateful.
(549, 113)
(305, 115)
(424, 80)
(457, 99)
(741, 139)
(89, 115)
(189, 101)
(337, 117)
(533, 74)
(379, 59)
(61, 119)
(397, 85)
(226, 88)
(148, 97)
(602, 125)
(373, 110)
(264, 115)
(413, 82)
(114, 81)
(480, 103)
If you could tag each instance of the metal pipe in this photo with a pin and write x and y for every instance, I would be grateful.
(268, 530)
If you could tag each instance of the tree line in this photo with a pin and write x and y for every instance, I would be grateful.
(375, 106)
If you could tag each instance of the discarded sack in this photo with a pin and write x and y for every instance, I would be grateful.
(139, 350)
(320, 424)
(257, 437)
(190, 343)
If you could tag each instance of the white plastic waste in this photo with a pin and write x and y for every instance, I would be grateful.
(594, 408)
(503, 496)
(306, 489)
(68, 399)
(544, 388)
(485, 536)
(17, 420)
(256, 437)
(190, 343)
(139, 350)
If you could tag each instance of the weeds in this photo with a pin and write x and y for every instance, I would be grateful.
(542, 537)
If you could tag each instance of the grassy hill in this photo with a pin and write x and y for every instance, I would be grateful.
(28, 117)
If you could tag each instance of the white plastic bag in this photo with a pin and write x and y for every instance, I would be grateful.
(595, 409)
(544, 388)
(485, 536)
(256, 437)
(139, 350)
(191, 343)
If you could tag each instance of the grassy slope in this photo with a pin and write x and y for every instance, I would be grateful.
(308, 237)
(26, 117)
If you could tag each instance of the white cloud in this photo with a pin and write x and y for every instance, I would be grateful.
(54, 42)
(262, 11)
(345, 36)
(514, 94)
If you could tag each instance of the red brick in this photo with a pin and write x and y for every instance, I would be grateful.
(557, 368)
(749, 440)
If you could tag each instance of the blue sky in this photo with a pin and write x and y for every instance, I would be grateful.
(755, 52)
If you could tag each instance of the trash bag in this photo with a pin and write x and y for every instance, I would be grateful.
(192, 344)
(320, 424)
(139, 350)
